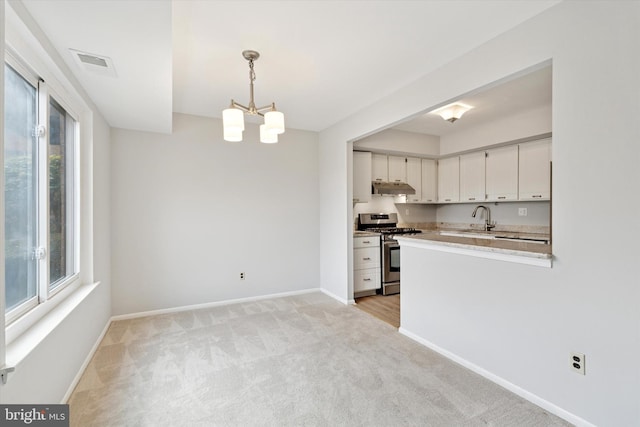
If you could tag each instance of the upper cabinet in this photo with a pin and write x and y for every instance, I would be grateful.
(449, 180)
(535, 170)
(429, 181)
(502, 174)
(472, 177)
(414, 179)
(509, 173)
(379, 170)
(361, 177)
(397, 169)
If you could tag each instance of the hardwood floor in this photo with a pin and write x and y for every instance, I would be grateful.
(384, 307)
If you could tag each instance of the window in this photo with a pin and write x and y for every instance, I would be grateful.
(40, 192)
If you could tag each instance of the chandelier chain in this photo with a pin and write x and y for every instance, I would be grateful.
(252, 73)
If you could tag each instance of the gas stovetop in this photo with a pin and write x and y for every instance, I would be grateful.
(394, 230)
(385, 224)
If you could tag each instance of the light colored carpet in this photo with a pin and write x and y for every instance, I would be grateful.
(297, 361)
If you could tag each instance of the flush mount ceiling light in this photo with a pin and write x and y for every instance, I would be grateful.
(452, 112)
(233, 117)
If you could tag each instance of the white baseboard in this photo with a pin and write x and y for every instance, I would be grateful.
(86, 362)
(211, 304)
(536, 400)
(336, 297)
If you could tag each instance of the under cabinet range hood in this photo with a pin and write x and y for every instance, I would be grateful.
(393, 188)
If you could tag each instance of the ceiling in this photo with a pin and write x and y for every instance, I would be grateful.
(321, 61)
(511, 96)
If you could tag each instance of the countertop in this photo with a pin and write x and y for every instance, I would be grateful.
(358, 233)
(536, 253)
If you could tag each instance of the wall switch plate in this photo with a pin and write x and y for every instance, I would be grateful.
(522, 211)
(576, 361)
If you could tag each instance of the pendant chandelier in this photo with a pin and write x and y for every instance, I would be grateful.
(233, 117)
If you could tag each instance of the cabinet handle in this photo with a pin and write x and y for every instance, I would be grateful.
(366, 280)
(378, 179)
(471, 198)
(366, 241)
(366, 259)
(537, 196)
(501, 197)
(447, 200)
(398, 180)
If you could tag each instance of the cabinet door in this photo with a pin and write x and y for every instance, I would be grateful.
(397, 169)
(365, 280)
(366, 258)
(535, 170)
(361, 177)
(429, 181)
(366, 242)
(502, 174)
(472, 177)
(449, 180)
(379, 171)
(414, 179)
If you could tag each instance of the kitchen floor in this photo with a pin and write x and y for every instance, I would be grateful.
(384, 307)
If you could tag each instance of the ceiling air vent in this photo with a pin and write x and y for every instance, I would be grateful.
(96, 64)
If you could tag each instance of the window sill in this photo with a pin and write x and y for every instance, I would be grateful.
(23, 340)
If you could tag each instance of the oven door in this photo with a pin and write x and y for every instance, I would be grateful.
(391, 262)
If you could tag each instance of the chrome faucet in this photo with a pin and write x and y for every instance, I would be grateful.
(488, 225)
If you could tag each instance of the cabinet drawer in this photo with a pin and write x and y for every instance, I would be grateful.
(366, 242)
(365, 280)
(366, 258)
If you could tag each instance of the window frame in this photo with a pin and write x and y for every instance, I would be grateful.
(24, 315)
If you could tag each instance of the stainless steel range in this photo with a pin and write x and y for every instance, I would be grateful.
(386, 225)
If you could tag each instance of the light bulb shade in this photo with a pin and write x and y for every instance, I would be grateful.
(233, 120)
(274, 122)
(233, 135)
(453, 112)
(266, 136)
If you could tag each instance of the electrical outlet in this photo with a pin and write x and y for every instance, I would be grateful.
(241, 276)
(576, 361)
(522, 211)
(406, 211)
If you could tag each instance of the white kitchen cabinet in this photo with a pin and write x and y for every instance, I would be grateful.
(366, 265)
(414, 179)
(429, 181)
(502, 174)
(379, 168)
(397, 169)
(361, 177)
(449, 180)
(472, 177)
(534, 173)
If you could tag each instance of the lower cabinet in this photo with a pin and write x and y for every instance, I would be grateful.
(366, 265)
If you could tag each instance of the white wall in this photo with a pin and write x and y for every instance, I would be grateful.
(407, 213)
(400, 142)
(191, 211)
(535, 121)
(589, 300)
(46, 373)
(504, 213)
(2, 287)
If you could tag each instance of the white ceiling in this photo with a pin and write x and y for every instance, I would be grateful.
(321, 61)
(511, 96)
